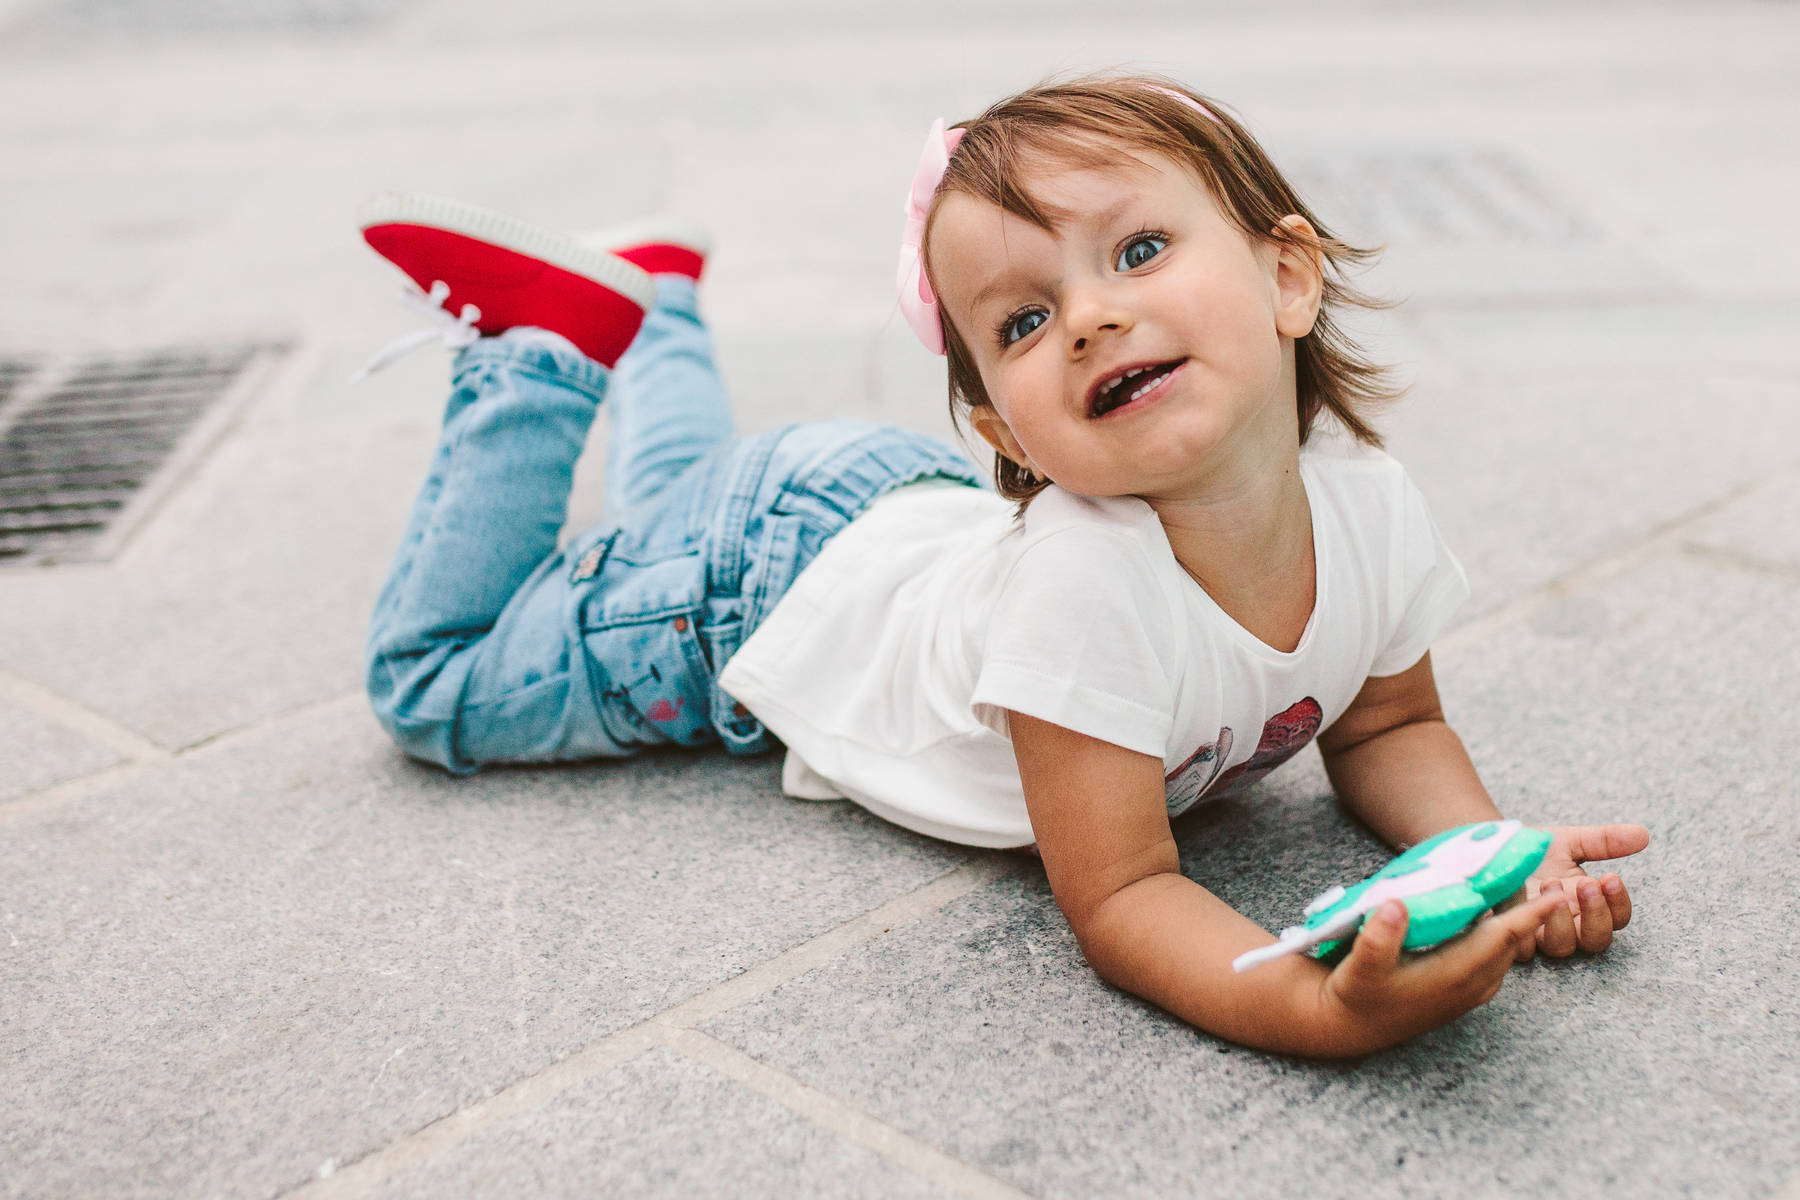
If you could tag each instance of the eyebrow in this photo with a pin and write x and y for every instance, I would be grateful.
(994, 286)
(1111, 215)
(1106, 216)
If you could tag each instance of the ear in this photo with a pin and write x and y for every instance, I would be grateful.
(1299, 279)
(996, 433)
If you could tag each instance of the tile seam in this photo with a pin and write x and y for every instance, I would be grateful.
(1670, 535)
(105, 777)
(816, 951)
(73, 715)
(32, 802)
(840, 1116)
(363, 1174)
(1725, 556)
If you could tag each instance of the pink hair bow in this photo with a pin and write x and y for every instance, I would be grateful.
(1192, 103)
(917, 304)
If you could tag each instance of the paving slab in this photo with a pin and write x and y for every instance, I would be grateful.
(1531, 473)
(1679, 336)
(37, 752)
(1763, 527)
(663, 1125)
(249, 598)
(293, 947)
(307, 915)
(1648, 698)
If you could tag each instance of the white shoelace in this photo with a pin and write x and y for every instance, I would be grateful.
(454, 331)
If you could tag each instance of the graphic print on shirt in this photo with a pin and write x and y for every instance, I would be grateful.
(1188, 782)
(1282, 738)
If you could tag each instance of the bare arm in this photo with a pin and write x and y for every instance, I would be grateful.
(1402, 770)
(1099, 816)
(1398, 766)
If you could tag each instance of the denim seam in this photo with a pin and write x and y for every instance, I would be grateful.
(725, 565)
(654, 617)
(583, 374)
(474, 706)
(538, 375)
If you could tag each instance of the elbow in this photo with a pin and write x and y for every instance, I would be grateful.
(1110, 933)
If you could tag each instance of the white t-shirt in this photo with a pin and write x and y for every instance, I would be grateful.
(889, 666)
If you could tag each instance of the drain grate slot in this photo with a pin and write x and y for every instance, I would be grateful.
(13, 372)
(86, 445)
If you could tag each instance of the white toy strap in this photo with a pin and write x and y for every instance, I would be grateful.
(1296, 938)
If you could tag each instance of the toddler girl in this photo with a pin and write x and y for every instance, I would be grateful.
(1198, 559)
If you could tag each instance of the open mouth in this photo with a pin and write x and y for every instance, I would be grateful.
(1130, 385)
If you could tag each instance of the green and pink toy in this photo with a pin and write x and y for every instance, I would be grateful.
(1446, 882)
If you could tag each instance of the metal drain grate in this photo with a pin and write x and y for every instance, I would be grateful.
(13, 372)
(85, 446)
(1447, 196)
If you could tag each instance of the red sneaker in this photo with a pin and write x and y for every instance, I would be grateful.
(660, 245)
(513, 273)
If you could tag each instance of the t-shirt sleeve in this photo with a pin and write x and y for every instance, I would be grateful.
(1081, 636)
(1427, 586)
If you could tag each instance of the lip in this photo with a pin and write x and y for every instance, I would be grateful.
(1093, 392)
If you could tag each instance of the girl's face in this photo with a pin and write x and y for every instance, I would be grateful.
(1137, 341)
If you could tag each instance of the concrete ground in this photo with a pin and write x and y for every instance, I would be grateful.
(248, 949)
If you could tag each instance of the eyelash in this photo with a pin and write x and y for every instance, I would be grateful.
(1143, 235)
(1007, 322)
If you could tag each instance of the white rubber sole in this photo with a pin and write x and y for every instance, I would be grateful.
(562, 250)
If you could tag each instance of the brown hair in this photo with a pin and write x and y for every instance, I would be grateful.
(1085, 122)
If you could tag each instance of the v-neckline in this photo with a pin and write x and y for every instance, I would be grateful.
(1255, 643)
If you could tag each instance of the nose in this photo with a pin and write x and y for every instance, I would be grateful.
(1092, 311)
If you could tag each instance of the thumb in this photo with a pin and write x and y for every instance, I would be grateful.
(1376, 951)
(1590, 843)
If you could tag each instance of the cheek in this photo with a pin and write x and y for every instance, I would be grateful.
(1237, 334)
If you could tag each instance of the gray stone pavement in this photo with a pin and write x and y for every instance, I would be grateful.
(248, 949)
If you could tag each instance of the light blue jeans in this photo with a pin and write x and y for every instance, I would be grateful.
(490, 644)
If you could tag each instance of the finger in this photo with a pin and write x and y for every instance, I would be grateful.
(1520, 925)
(1618, 898)
(1596, 928)
(1495, 943)
(1557, 937)
(1526, 948)
(1376, 951)
(1588, 843)
(1500, 941)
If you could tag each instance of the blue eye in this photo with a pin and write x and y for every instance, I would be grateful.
(1020, 325)
(1141, 250)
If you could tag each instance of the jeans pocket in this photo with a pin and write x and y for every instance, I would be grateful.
(641, 631)
(656, 669)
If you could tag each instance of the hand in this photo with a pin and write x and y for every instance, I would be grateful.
(1592, 910)
(1373, 999)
